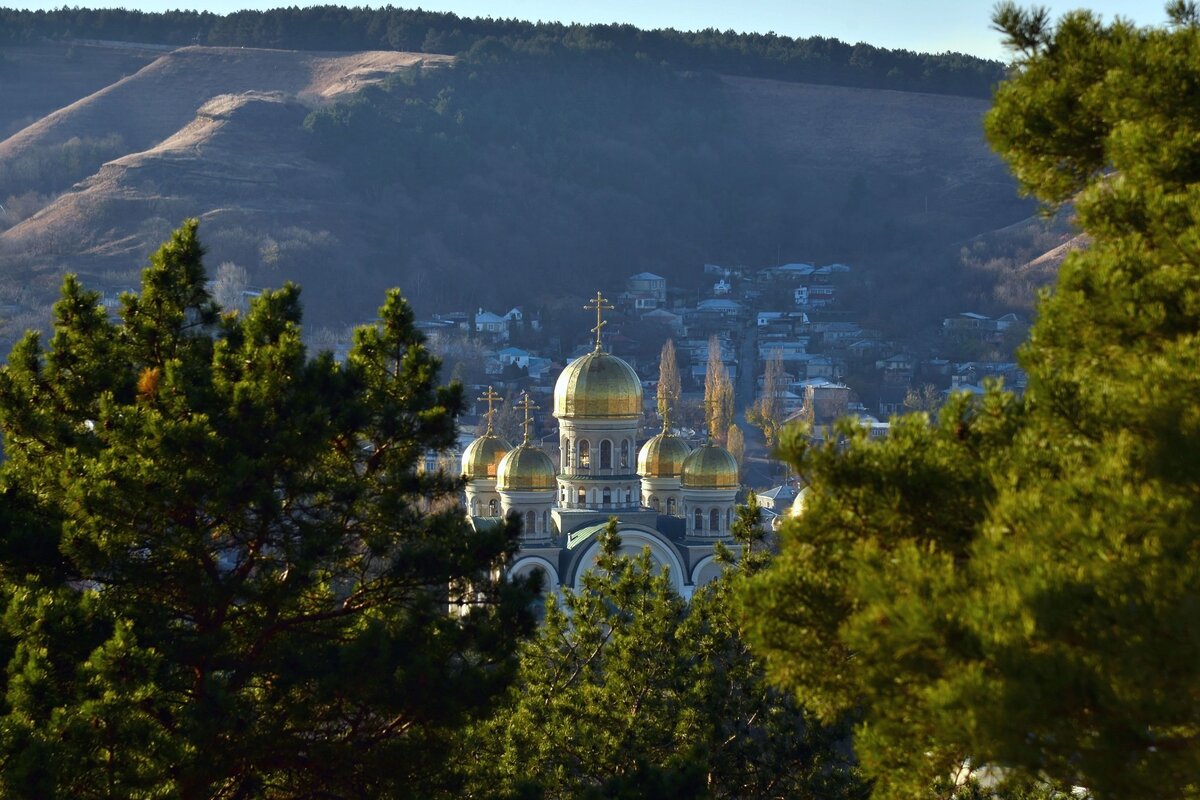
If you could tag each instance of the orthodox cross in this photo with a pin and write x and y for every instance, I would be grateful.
(491, 397)
(527, 405)
(600, 304)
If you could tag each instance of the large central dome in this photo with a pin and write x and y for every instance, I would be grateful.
(598, 385)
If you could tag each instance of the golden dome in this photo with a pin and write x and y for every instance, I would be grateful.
(710, 467)
(598, 385)
(798, 503)
(662, 457)
(482, 456)
(526, 468)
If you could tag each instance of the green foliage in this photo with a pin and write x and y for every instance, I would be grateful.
(628, 691)
(227, 576)
(1016, 586)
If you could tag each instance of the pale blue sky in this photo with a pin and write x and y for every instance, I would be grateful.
(922, 25)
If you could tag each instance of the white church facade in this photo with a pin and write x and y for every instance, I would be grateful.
(668, 497)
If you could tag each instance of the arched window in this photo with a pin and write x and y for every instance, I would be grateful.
(625, 454)
(628, 497)
(728, 522)
(606, 454)
(699, 520)
(479, 508)
(671, 506)
(585, 454)
(582, 498)
(545, 522)
(492, 507)
(531, 522)
(607, 495)
(655, 503)
(562, 495)
(714, 521)
(566, 451)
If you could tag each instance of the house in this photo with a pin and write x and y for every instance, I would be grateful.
(824, 401)
(514, 356)
(728, 308)
(487, 322)
(788, 320)
(722, 287)
(793, 271)
(865, 347)
(778, 499)
(838, 332)
(660, 316)
(900, 362)
(821, 295)
(800, 295)
(785, 351)
(649, 285)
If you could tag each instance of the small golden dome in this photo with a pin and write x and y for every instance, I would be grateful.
(662, 457)
(598, 385)
(526, 468)
(710, 467)
(482, 456)
(798, 503)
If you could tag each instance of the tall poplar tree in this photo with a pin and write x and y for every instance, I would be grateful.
(718, 394)
(1017, 585)
(668, 390)
(767, 413)
(230, 578)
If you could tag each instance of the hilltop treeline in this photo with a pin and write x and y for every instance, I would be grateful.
(814, 59)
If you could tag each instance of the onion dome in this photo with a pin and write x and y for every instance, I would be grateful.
(482, 456)
(598, 385)
(710, 467)
(526, 468)
(662, 457)
(798, 503)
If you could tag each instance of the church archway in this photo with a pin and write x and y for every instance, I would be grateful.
(632, 542)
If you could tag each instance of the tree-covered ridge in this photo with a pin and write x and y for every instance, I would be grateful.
(814, 59)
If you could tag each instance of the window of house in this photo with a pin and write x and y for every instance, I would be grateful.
(491, 508)
(582, 498)
(625, 454)
(699, 521)
(585, 454)
(607, 495)
(714, 521)
(671, 505)
(530, 522)
(606, 454)
(655, 503)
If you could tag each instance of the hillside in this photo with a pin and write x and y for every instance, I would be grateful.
(507, 178)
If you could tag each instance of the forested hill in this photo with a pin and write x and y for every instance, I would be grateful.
(810, 60)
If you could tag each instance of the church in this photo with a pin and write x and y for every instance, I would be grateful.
(668, 497)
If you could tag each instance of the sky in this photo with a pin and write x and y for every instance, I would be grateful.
(922, 25)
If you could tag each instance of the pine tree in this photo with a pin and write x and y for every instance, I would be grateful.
(718, 394)
(627, 691)
(236, 588)
(1015, 586)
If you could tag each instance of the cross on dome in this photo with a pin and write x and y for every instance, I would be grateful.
(599, 303)
(491, 397)
(527, 405)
